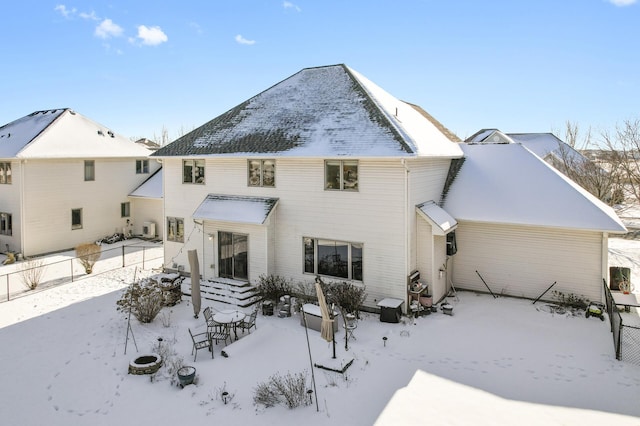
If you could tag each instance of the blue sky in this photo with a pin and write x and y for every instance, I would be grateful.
(139, 66)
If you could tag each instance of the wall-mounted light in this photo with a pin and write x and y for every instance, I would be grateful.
(210, 237)
(440, 272)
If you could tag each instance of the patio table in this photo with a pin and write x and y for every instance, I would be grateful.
(230, 318)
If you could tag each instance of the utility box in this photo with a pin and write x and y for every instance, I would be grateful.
(390, 310)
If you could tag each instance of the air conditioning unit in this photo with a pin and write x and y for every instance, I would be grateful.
(149, 230)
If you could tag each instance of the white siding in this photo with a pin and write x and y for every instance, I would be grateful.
(147, 210)
(426, 181)
(374, 216)
(52, 188)
(523, 261)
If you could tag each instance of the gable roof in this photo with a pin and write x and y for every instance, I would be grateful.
(330, 111)
(508, 184)
(63, 133)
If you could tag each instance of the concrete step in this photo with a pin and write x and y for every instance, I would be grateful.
(233, 292)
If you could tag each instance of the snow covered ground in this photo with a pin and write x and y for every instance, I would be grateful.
(495, 361)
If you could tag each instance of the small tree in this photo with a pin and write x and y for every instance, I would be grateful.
(31, 274)
(88, 254)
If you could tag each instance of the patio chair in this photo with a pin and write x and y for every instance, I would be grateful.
(217, 331)
(249, 322)
(200, 341)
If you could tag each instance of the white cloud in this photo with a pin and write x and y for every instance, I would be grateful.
(151, 36)
(289, 5)
(62, 9)
(622, 3)
(107, 29)
(196, 27)
(242, 40)
(89, 16)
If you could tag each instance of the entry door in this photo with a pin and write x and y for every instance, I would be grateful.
(233, 255)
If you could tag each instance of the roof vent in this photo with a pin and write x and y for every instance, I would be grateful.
(100, 133)
(72, 112)
(110, 133)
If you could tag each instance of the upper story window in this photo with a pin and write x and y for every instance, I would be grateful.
(142, 166)
(89, 170)
(262, 172)
(341, 175)
(175, 229)
(5, 173)
(5, 224)
(193, 171)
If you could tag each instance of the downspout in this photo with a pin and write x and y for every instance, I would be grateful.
(406, 231)
(22, 217)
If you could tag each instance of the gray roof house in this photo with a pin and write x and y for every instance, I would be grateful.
(326, 174)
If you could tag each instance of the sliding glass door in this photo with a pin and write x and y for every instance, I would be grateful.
(233, 255)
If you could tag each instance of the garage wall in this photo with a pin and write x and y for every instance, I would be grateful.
(523, 261)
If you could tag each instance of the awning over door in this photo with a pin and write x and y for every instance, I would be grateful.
(235, 208)
(441, 222)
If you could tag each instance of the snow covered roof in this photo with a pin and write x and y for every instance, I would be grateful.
(506, 183)
(63, 133)
(488, 136)
(441, 221)
(330, 111)
(150, 188)
(231, 208)
(545, 144)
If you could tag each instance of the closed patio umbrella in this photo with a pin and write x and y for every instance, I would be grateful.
(326, 327)
(194, 268)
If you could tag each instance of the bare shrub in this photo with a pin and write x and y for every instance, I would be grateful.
(144, 298)
(290, 390)
(88, 254)
(32, 272)
(273, 287)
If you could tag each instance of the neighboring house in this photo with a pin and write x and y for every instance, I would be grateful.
(326, 174)
(65, 180)
(545, 145)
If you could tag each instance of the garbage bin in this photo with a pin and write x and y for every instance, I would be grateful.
(390, 310)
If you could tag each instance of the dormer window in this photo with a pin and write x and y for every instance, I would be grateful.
(341, 175)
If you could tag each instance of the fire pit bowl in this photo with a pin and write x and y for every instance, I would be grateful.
(145, 364)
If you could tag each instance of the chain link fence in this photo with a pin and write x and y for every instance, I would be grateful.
(54, 270)
(626, 338)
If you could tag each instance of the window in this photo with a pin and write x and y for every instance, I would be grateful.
(5, 224)
(338, 259)
(142, 166)
(175, 229)
(125, 209)
(5, 173)
(76, 219)
(89, 170)
(262, 172)
(233, 259)
(193, 171)
(341, 175)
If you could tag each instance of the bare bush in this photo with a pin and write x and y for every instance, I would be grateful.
(143, 298)
(290, 390)
(32, 272)
(88, 254)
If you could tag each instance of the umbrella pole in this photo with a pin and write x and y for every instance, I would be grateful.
(313, 377)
